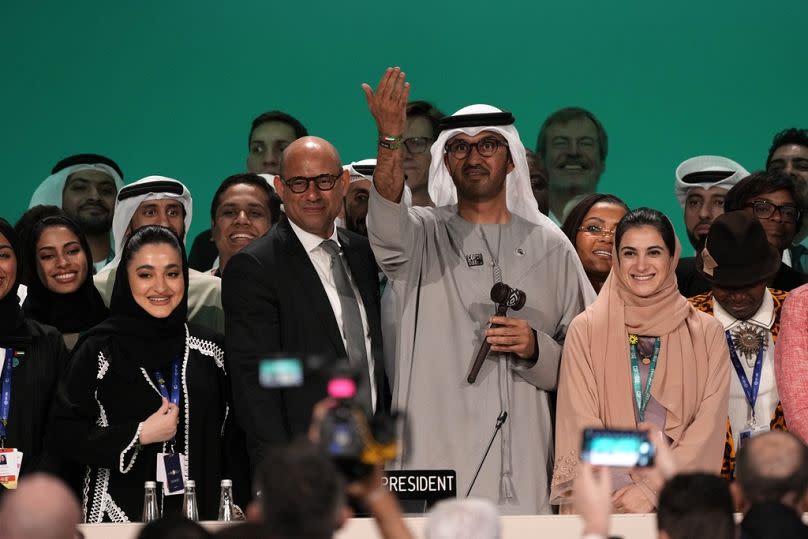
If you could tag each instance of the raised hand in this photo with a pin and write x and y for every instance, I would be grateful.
(388, 104)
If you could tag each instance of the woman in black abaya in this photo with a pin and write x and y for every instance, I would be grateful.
(143, 383)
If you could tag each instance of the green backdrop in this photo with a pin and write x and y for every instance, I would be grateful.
(170, 87)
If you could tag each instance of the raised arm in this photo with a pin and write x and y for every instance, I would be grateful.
(388, 105)
(791, 362)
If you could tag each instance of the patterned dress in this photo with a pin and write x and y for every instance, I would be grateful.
(704, 303)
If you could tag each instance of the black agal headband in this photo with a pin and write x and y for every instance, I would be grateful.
(162, 186)
(482, 119)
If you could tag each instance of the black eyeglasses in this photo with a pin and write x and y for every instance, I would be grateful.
(300, 184)
(460, 149)
(764, 209)
(417, 144)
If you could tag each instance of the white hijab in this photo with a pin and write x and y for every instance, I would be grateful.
(125, 209)
(519, 197)
(50, 190)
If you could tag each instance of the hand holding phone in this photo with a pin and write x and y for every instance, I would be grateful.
(617, 448)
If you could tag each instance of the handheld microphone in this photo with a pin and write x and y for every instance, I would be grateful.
(506, 298)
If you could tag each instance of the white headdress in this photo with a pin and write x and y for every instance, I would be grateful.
(130, 198)
(50, 190)
(707, 171)
(519, 197)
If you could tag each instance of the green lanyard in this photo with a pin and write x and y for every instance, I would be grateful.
(641, 398)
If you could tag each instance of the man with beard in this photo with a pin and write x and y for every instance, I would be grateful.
(702, 183)
(486, 229)
(356, 198)
(573, 146)
(85, 186)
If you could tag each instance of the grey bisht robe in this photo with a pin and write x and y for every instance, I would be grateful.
(443, 297)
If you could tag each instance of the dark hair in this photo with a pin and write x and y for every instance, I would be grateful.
(273, 200)
(760, 488)
(692, 504)
(567, 115)
(25, 229)
(51, 221)
(426, 110)
(792, 135)
(760, 183)
(149, 235)
(647, 217)
(301, 491)
(278, 116)
(86, 159)
(576, 216)
(173, 527)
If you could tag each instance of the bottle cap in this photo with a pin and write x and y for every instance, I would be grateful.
(190, 484)
(227, 483)
(150, 484)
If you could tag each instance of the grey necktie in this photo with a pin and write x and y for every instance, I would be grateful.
(351, 322)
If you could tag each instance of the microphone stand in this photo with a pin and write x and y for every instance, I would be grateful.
(500, 420)
(482, 353)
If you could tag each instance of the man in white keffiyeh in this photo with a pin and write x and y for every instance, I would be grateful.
(485, 229)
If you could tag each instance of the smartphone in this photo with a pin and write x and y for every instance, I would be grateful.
(618, 448)
(280, 372)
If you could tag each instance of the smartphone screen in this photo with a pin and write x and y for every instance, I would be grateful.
(280, 372)
(619, 448)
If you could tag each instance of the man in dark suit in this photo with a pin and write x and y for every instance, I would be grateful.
(305, 289)
(771, 486)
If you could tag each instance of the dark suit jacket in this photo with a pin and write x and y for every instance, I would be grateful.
(275, 303)
(772, 520)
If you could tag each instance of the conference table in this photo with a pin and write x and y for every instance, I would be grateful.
(513, 527)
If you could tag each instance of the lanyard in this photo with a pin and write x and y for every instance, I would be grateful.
(749, 391)
(642, 399)
(5, 393)
(175, 382)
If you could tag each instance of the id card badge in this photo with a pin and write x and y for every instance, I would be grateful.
(10, 464)
(171, 472)
(750, 431)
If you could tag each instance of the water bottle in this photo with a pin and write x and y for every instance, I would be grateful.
(226, 512)
(150, 509)
(189, 509)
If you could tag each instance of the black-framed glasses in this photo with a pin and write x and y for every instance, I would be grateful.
(417, 144)
(764, 209)
(323, 182)
(460, 149)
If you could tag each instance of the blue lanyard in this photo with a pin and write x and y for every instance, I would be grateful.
(642, 399)
(175, 382)
(751, 392)
(5, 393)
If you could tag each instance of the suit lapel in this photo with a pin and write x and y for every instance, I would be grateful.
(311, 288)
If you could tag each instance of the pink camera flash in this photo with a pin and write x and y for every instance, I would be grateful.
(341, 388)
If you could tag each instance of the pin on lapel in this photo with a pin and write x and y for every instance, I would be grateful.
(475, 259)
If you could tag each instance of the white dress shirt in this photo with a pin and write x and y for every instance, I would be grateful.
(322, 263)
(767, 398)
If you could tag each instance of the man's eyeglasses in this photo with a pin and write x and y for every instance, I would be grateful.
(460, 149)
(764, 209)
(417, 144)
(300, 184)
(595, 230)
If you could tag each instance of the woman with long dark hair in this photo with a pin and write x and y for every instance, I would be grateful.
(33, 358)
(61, 292)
